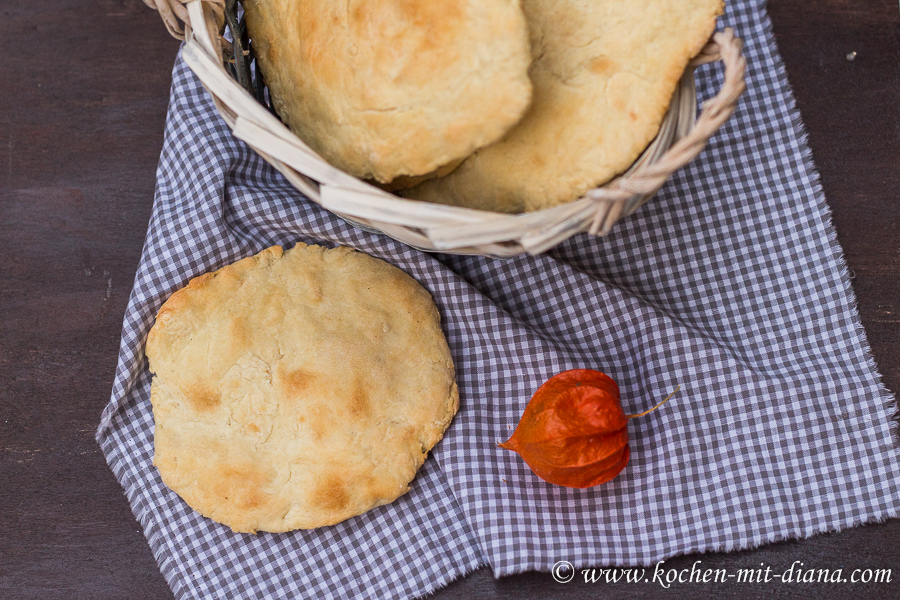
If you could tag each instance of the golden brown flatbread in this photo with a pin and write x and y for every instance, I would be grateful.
(389, 88)
(297, 389)
(604, 72)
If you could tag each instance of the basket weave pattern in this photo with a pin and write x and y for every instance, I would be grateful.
(435, 227)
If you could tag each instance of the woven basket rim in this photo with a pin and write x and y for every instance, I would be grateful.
(451, 229)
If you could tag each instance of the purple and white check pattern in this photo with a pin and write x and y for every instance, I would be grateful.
(730, 282)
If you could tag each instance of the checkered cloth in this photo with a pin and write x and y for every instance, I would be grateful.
(730, 282)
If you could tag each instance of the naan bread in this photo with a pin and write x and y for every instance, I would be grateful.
(389, 88)
(297, 390)
(604, 72)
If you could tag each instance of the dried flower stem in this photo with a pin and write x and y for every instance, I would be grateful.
(647, 412)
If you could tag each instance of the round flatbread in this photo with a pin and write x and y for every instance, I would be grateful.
(604, 72)
(389, 88)
(294, 390)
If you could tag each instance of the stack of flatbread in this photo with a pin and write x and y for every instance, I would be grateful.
(502, 105)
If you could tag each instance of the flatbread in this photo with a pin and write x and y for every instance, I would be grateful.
(297, 389)
(387, 88)
(604, 72)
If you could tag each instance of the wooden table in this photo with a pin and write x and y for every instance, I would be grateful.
(83, 93)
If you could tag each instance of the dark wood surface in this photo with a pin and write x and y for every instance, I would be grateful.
(83, 93)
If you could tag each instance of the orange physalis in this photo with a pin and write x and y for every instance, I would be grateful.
(573, 431)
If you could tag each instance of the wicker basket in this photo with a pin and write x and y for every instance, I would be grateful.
(223, 67)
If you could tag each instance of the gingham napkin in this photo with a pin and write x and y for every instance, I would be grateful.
(730, 282)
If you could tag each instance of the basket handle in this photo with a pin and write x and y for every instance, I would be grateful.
(175, 15)
(724, 46)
